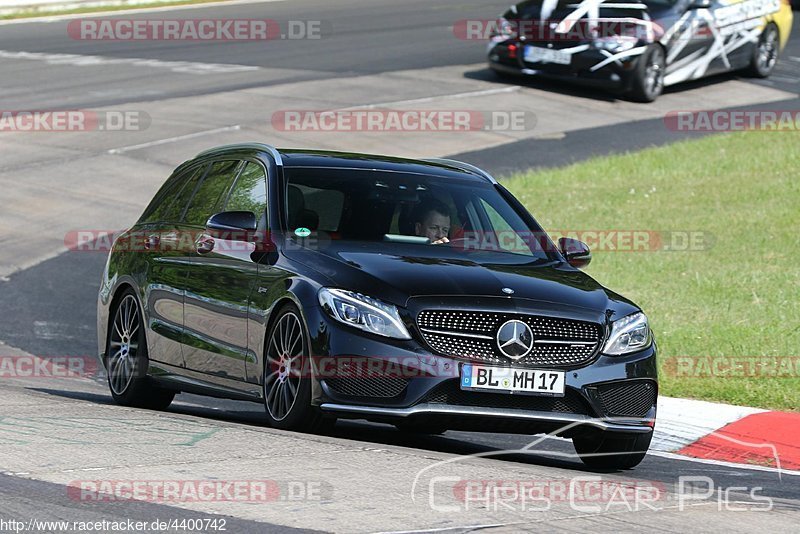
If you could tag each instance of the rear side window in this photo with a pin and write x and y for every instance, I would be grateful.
(250, 191)
(169, 202)
(210, 192)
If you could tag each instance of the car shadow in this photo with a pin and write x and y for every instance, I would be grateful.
(97, 398)
(456, 443)
(543, 84)
(449, 442)
(706, 82)
(590, 93)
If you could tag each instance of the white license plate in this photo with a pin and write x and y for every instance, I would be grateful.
(534, 54)
(512, 380)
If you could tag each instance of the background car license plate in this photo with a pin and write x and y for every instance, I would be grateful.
(513, 380)
(535, 54)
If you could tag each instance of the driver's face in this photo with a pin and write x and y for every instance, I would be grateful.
(435, 226)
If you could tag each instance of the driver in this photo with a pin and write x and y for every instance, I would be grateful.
(432, 220)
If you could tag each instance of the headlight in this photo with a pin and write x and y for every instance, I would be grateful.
(629, 334)
(363, 312)
(615, 45)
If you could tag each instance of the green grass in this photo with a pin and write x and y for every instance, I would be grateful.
(51, 11)
(737, 298)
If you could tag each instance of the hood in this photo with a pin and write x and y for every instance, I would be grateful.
(561, 9)
(609, 18)
(394, 276)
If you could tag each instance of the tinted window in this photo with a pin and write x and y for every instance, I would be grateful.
(208, 196)
(250, 191)
(169, 202)
(328, 204)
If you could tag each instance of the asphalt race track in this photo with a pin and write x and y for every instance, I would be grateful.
(394, 54)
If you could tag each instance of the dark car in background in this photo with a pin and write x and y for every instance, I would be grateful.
(639, 47)
(418, 293)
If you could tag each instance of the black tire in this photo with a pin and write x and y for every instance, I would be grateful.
(287, 373)
(612, 450)
(127, 361)
(420, 428)
(765, 53)
(648, 78)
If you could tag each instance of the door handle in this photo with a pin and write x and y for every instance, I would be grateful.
(204, 244)
(152, 242)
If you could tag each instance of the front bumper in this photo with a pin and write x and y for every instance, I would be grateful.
(408, 382)
(614, 76)
(486, 419)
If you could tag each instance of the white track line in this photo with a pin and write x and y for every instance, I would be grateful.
(465, 528)
(175, 139)
(79, 60)
(721, 463)
(468, 94)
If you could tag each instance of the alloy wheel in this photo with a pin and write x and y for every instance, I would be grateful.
(284, 366)
(124, 345)
(654, 73)
(768, 50)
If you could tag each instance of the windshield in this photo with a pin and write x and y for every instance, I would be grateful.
(445, 214)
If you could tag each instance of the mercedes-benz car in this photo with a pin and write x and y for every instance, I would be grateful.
(419, 293)
(638, 47)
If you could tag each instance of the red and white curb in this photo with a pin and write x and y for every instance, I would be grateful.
(725, 433)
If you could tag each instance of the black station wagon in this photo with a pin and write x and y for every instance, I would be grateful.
(418, 293)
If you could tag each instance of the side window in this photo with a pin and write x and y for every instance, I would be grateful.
(169, 202)
(250, 191)
(502, 232)
(209, 194)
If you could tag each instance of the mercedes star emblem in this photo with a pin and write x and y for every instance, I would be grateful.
(515, 339)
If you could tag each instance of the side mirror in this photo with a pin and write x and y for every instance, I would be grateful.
(241, 226)
(233, 221)
(576, 252)
(233, 226)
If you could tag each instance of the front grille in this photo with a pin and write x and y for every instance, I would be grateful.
(628, 399)
(368, 386)
(451, 394)
(472, 335)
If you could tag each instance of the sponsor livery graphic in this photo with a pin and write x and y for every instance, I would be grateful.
(721, 30)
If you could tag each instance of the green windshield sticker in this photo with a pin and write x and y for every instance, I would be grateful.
(302, 232)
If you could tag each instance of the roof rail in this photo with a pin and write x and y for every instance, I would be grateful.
(464, 167)
(257, 146)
